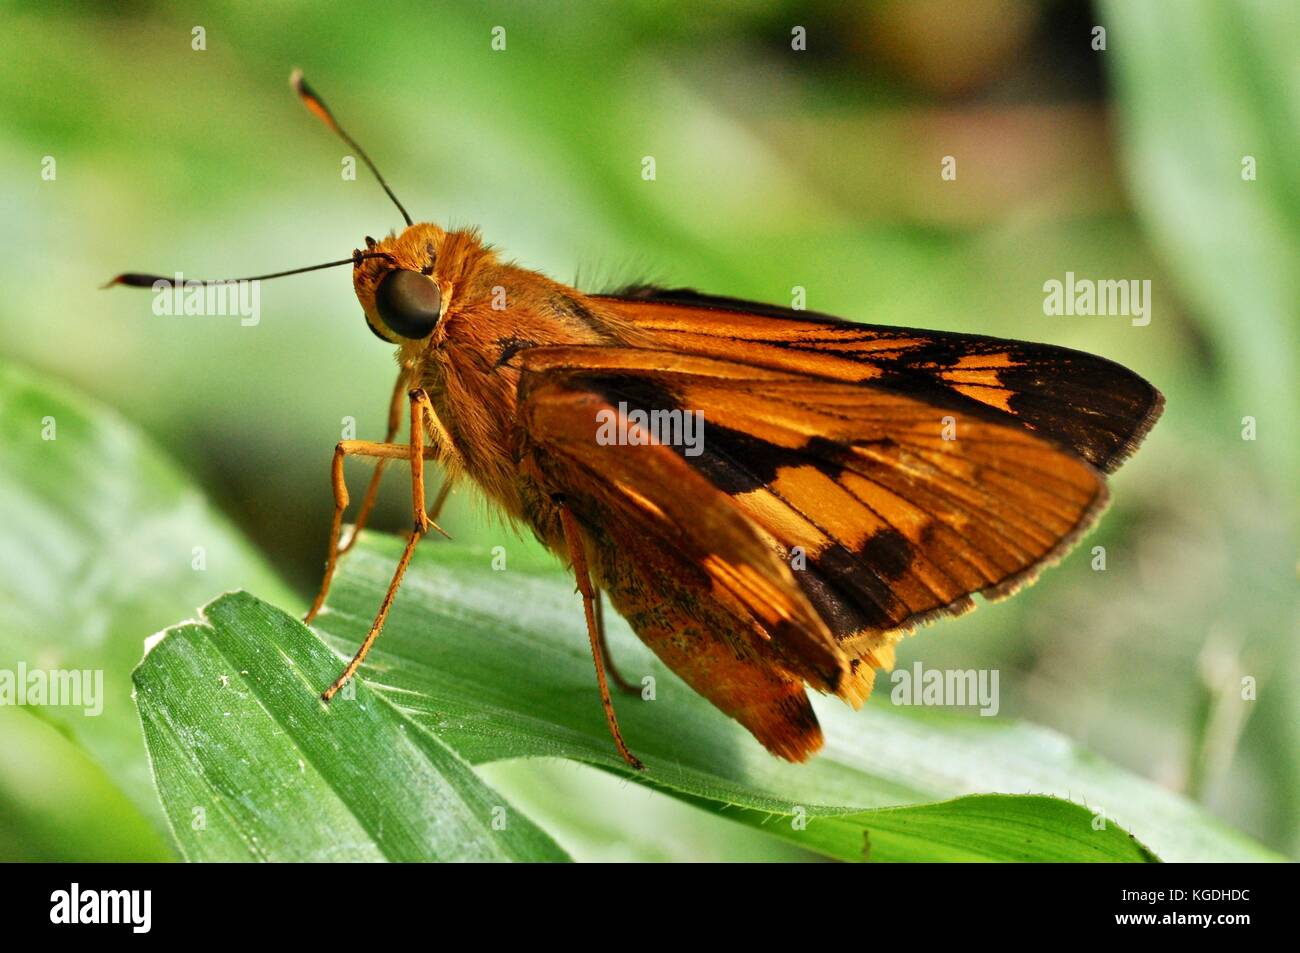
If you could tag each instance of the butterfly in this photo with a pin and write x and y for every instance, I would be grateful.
(770, 497)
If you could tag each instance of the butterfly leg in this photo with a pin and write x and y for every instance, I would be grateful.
(370, 450)
(578, 557)
(382, 453)
(606, 655)
(342, 450)
(372, 491)
(415, 454)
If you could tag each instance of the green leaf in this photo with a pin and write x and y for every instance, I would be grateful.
(982, 827)
(98, 550)
(252, 765)
(496, 664)
(597, 816)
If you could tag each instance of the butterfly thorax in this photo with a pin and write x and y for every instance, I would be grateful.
(494, 313)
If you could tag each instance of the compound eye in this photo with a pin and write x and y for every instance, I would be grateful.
(409, 303)
(375, 331)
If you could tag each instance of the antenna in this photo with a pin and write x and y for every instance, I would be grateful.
(318, 108)
(134, 279)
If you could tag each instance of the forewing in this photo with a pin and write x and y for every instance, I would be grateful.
(1095, 407)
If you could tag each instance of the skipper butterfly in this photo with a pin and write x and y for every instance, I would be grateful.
(769, 497)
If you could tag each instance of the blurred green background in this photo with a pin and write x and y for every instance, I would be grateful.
(775, 168)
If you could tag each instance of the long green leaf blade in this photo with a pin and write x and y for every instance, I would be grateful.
(252, 765)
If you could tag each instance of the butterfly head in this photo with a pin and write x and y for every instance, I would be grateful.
(402, 291)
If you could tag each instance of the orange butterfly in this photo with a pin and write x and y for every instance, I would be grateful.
(771, 498)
